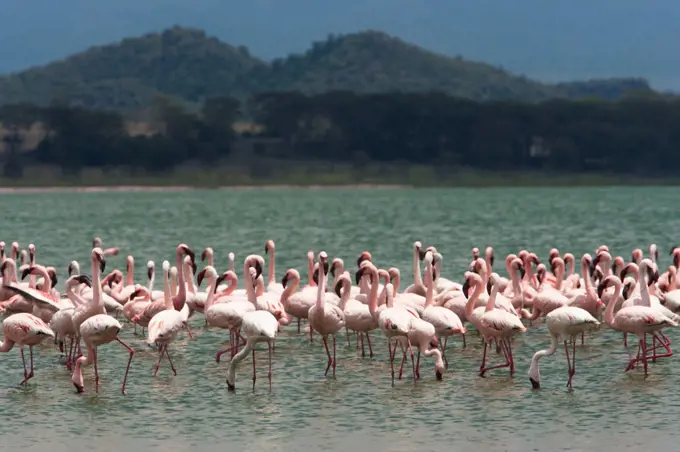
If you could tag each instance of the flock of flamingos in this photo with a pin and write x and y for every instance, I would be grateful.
(418, 320)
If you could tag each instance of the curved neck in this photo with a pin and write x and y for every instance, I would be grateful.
(373, 296)
(167, 287)
(470, 305)
(232, 267)
(587, 278)
(644, 285)
(429, 285)
(271, 275)
(47, 281)
(320, 296)
(417, 279)
(211, 292)
(97, 299)
(533, 369)
(609, 310)
(181, 296)
(173, 282)
(290, 289)
(396, 281)
(248, 281)
(491, 304)
(559, 275)
(339, 270)
(75, 298)
(131, 272)
(310, 271)
(344, 294)
(190, 279)
(210, 259)
(152, 279)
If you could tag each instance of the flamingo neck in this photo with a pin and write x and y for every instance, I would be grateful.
(271, 272)
(180, 298)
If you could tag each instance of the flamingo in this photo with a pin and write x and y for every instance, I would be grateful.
(445, 321)
(394, 322)
(562, 322)
(97, 330)
(24, 329)
(417, 287)
(326, 318)
(357, 315)
(638, 320)
(491, 322)
(259, 326)
(272, 285)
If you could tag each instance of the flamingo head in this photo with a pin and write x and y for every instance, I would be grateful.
(208, 271)
(191, 263)
(53, 276)
(339, 284)
(676, 257)
(654, 252)
(269, 247)
(466, 284)
(98, 256)
(150, 269)
(541, 271)
(475, 253)
(323, 259)
(6, 263)
(2, 250)
(488, 253)
(636, 255)
(138, 292)
(554, 252)
(628, 287)
(97, 242)
(362, 271)
(607, 282)
(256, 262)
(129, 262)
(336, 264)
(291, 275)
(83, 279)
(208, 252)
(31, 252)
(71, 268)
(597, 274)
(364, 256)
(184, 248)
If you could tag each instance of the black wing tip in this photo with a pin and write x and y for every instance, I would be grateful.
(534, 384)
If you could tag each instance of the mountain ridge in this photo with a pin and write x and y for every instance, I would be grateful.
(191, 65)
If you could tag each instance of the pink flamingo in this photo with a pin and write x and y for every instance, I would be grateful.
(638, 320)
(24, 329)
(567, 321)
(97, 330)
(327, 319)
(491, 322)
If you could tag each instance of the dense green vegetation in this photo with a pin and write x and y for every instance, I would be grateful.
(189, 66)
(343, 137)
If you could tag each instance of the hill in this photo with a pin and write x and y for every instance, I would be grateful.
(187, 64)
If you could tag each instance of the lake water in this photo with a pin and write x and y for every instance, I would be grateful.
(359, 410)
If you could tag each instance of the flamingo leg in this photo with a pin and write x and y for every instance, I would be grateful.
(127, 368)
(443, 347)
(403, 360)
(389, 349)
(328, 352)
(349, 344)
(511, 358)
(222, 351)
(21, 350)
(582, 338)
(413, 365)
(625, 340)
(69, 358)
(481, 368)
(160, 355)
(254, 373)
(269, 375)
(191, 336)
(334, 360)
(363, 349)
(96, 371)
(370, 349)
(311, 330)
(172, 366)
(298, 325)
(418, 366)
(464, 341)
(508, 359)
(644, 355)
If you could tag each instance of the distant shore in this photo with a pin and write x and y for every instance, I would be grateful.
(40, 180)
(134, 188)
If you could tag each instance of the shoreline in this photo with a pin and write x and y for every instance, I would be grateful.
(174, 188)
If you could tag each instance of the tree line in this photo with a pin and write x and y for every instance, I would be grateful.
(636, 135)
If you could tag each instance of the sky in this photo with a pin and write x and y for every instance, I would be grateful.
(550, 40)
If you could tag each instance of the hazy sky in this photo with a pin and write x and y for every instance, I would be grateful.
(545, 39)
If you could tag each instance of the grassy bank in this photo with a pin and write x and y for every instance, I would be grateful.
(317, 174)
